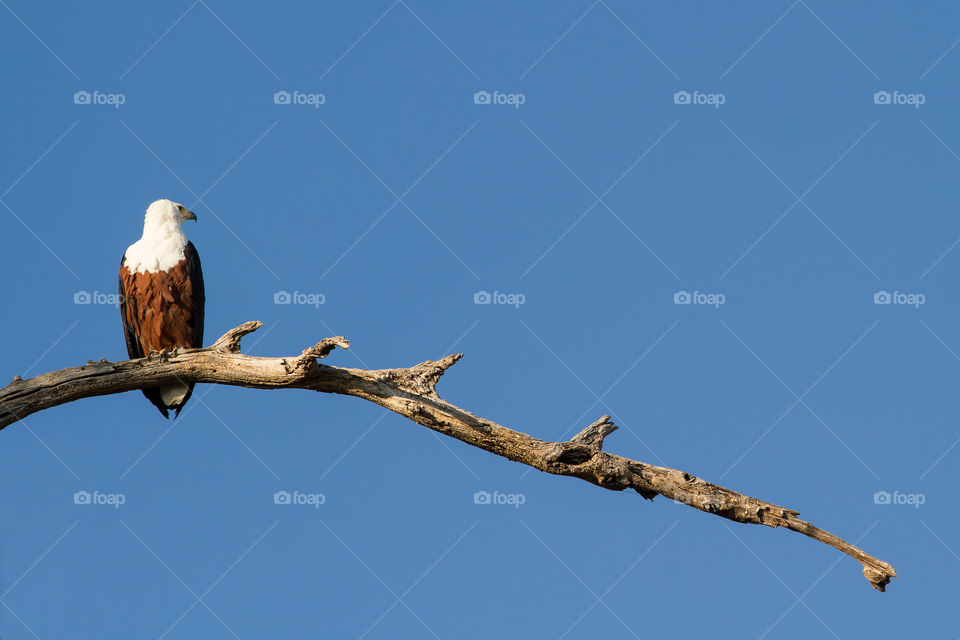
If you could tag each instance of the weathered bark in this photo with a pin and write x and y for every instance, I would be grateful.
(411, 392)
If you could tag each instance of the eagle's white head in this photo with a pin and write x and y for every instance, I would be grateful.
(163, 241)
(166, 214)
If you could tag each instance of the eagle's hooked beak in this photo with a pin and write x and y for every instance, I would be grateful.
(188, 215)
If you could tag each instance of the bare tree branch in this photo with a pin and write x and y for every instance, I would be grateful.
(411, 392)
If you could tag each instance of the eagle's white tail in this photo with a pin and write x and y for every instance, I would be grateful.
(174, 394)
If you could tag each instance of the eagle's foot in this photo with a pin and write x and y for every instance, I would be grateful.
(164, 355)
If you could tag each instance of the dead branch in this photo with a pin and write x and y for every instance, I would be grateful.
(411, 392)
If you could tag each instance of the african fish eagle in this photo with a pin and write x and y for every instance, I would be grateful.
(161, 293)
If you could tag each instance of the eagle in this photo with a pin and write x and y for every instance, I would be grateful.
(161, 294)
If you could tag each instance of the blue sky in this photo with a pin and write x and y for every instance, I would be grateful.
(787, 170)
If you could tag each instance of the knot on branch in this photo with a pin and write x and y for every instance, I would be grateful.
(230, 341)
(423, 378)
(594, 434)
(583, 446)
(320, 350)
(879, 579)
(17, 380)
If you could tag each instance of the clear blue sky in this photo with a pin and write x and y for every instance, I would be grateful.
(784, 184)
